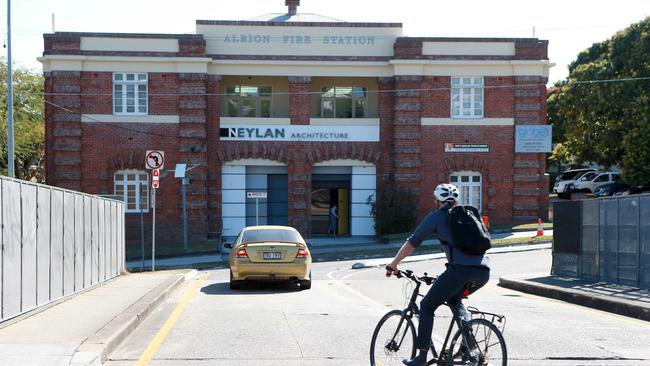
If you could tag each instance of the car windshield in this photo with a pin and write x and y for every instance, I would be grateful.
(588, 176)
(572, 174)
(274, 235)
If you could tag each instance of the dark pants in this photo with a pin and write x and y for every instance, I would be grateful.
(448, 287)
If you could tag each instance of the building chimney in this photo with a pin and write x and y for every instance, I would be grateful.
(293, 6)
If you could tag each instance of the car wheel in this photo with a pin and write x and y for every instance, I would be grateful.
(234, 284)
(306, 284)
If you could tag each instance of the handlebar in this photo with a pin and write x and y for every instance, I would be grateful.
(409, 274)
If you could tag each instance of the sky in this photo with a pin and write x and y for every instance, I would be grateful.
(570, 26)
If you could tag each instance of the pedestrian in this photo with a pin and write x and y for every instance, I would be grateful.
(461, 269)
(334, 218)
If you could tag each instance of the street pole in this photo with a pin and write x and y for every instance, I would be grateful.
(142, 226)
(153, 234)
(183, 184)
(10, 100)
(257, 211)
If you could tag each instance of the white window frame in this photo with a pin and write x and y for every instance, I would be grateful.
(470, 184)
(139, 79)
(241, 98)
(336, 96)
(475, 84)
(125, 182)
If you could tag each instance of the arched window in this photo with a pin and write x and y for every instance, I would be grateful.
(133, 186)
(470, 186)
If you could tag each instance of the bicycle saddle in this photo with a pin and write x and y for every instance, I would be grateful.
(469, 288)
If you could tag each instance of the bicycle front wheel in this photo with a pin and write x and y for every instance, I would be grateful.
(489, 347)
(393, 340)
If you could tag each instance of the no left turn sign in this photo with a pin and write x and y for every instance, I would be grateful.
(154, 159)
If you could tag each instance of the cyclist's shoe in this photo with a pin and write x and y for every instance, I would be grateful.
(471, 361)
(419, 360)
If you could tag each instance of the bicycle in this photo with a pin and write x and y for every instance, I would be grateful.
(394, 337)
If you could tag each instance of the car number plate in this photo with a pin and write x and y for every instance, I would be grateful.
(272, 255)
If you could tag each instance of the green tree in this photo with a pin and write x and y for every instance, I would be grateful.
(608, 122)
(29, 125)
(395, 210)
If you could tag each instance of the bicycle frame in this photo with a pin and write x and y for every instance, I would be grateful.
(413, 310)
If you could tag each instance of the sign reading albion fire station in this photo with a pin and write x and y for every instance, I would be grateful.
(301, 133)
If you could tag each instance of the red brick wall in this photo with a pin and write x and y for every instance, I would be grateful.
(498, 96)
(85, 156)
(299, 99)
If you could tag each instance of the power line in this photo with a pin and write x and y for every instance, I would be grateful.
(82, 115)
(378, 91)
(118, 126)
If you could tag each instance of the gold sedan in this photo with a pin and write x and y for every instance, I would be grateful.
(269, 253)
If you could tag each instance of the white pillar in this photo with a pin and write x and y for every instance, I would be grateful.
(364, 185)
(233, 199)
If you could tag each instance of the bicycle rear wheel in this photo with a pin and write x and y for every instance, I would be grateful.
(489, 340)
(393, 340)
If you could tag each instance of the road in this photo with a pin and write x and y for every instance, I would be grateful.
(332, 323)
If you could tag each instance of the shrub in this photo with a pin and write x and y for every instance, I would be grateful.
(395, 210)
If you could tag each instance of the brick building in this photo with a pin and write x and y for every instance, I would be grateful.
(314, 111)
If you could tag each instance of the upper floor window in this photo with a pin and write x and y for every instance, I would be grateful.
(467, 97)
(248, 101)
(343, 102)
(130, 93)
(133, 186)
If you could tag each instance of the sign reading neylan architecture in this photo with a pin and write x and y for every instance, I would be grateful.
(300, 133)
(533, 139)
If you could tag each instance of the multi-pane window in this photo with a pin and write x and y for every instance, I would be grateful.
(248, 101)
(133, 186)
(469, 184)
(343, 102)
(467, 97)
(130, 93)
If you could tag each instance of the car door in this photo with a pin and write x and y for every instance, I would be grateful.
(599, 181)
(584, 180)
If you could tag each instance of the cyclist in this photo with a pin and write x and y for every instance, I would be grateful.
(461, 269)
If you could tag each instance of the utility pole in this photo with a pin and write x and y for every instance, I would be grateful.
(10, 100)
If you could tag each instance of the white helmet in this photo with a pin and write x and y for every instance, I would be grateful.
(447, 192)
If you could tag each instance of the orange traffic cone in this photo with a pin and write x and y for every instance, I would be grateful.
(486, 222)
(540, 228)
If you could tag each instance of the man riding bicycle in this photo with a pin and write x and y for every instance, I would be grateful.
(461, 269)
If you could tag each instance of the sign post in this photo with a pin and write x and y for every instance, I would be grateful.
(155, 183)
(257, 196)
(155, 161)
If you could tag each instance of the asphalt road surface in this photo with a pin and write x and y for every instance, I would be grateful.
(331, 324)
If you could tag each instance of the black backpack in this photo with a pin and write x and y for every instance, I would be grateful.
(469, 234)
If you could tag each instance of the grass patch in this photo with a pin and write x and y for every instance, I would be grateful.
(520, 227)
(510, 241)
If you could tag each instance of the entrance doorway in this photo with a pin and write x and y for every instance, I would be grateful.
(330, 211)
(330, 203)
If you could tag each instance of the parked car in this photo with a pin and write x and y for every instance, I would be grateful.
(269, 253)
(611, 189)
(590, 185)
(634, 190)
(567, 179)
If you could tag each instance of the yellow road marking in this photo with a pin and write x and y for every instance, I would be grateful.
(155, 343)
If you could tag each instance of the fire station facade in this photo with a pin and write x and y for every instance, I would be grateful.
(314, 112)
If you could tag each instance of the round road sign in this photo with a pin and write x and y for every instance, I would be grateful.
(155, 159)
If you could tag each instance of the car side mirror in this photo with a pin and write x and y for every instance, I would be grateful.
(228, 245)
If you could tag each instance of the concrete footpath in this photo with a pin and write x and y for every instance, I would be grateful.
(85, 328)
(619, 299)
